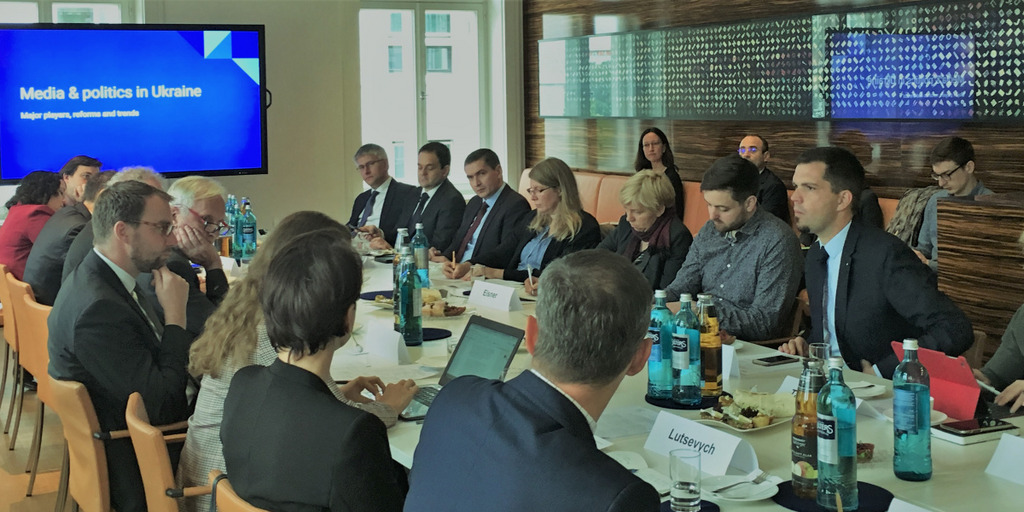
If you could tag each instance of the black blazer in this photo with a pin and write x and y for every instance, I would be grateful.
(80, 247)
(200, 305)
(496, 241)
(677, 185)
(399, 202)
(442, 215)
(290, 445)
(515, 446)
(772, 195)
(588, 237)
(46, 261)
(884, 294)
(100, 337)
(659, 266)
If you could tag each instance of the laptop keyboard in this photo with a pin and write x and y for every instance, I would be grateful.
(426, 395)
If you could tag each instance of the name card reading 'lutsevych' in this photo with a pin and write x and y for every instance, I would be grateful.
(718, 450)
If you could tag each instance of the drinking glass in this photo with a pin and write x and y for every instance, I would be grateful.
(684, 470)
(818, 351)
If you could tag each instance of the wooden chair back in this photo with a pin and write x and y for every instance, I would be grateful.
(88, 484)
(976, 354)
(30, 317)
(227, 499)
(11, 323)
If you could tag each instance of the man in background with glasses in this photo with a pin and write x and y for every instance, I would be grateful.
(771, 192)
(952, 162)
(198, 211)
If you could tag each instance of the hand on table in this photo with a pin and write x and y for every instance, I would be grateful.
(353, 389)
(532, 285)
(196, 246)
(378, 243)
(795, 347)
(436, 256)
(455, 270)
(1013, 396)
(399, 394)
(978, 374)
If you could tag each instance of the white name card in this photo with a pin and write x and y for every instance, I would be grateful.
(898, 505)
(719, 451)
(383, 341)
(730, 363)
(1005, 462)
(494, 296)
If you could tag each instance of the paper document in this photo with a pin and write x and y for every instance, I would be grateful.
(625, 421)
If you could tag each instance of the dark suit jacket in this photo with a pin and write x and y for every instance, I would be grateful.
(659, 266)
(496, 241)
(200, 305)
(80, 247)
(45, 263)
(588, 237)
(442, 215)
(289, 445)
(870, 212)
(399, 203)
(677, 185)
(884, 294)
(772, 195)
(100, 337)
(515, 446)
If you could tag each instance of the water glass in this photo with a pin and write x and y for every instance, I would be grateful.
(684, 470)
(818, 351)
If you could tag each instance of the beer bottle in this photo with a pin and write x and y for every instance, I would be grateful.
(710, 346)
(805, 430)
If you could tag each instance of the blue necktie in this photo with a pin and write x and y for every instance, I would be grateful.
(368, 210)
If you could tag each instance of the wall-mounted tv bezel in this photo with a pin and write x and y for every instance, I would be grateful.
(54, 163)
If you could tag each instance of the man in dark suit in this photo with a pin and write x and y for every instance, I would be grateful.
(771, 192)
(866, 287)
(198, 211)
(46, 261)
(528, 444)
(486, 234)
(107, 336)
(75, 173)
(388, 204)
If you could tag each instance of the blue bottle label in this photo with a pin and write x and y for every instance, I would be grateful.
(828, 448)
(654, 333)
(680, 351)
(904, 410)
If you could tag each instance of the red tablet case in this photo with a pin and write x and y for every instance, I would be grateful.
(952, 382)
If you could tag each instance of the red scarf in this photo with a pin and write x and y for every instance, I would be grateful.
(656, 236)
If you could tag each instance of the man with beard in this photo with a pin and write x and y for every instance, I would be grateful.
(746, 257)
(106, 335)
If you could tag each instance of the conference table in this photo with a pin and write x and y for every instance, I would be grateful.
(958, 482)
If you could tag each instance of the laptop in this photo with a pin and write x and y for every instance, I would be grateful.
(485, 349)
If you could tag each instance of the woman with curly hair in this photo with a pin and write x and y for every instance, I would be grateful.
(38, 196)
(655, 153)
(235, 336)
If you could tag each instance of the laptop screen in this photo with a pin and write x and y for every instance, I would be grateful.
(486, 349)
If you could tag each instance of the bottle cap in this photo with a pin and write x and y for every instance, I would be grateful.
(404, 231)
(660, 294)
(910, 344)
(686, 297)
(419, 226)
(702, 296)
(835, 362)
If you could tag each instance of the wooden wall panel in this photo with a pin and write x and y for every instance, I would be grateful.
(895, 154)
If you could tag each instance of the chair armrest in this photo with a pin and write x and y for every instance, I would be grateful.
(113, 434)
(188, 492)
(174, 438)
(180, 425)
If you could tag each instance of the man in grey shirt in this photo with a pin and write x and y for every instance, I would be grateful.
(746, 257)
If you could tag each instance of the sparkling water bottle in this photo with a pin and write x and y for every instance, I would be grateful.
(659, 365)
(911, 411)
(245, 232)
(420, 245)
(837, 441)
(686, 375)
(411, 300)
(396, 274)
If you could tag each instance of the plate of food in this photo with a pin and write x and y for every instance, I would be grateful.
(749, 411)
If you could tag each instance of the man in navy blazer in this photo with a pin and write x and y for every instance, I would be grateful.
(528, 444)
(486, 235)
(866, 287)
(104, 334)
(387, 205)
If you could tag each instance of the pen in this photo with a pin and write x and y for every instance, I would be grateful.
(988, 388)
(529, 272)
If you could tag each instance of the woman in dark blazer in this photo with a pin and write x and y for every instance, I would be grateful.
(654, 152)
(557, 226)
(650, 234)
(289, 444)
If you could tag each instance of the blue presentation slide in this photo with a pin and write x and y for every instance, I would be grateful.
(177, 101)
(901, 76)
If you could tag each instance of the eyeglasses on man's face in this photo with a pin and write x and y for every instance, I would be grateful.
(946, 175)
(751, 150)
(362, 167)
(165, 228)
(210, 226)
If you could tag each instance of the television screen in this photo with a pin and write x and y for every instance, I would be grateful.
(901, 76)
(183, 99)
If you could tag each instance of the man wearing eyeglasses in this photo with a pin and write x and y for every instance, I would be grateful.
(106, 335)
(771, 192)
(952, 162)
(198, 211)
(388, 204)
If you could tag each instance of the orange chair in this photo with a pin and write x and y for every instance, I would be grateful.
(154, 461)
(13, 291)
(88, 484)
(224, 497)
(34, 358)
(11, 352)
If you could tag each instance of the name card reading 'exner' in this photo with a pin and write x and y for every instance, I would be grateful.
(495, 296)
(719, 450)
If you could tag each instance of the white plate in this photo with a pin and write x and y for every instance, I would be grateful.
(742, 492)
(776, 422)
(937, 416)
(379, 305)
(866, 389)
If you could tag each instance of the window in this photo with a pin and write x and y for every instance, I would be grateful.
(439, 59)
(396, 22)
(398, 149)
(394, 59)
(75, 12)
(19, 12)
(438, 23)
